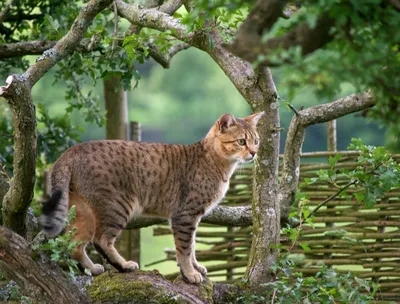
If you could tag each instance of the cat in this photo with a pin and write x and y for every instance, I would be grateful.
(110, 181)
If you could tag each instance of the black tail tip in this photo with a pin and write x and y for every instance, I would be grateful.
(52, 203)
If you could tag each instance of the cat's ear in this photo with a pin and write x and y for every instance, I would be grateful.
(226, 121)
(254, 118)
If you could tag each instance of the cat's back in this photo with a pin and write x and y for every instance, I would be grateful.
(116, 157)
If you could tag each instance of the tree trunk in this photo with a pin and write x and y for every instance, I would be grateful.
(39, 279)
(19, 196)
(116, 109)
(265, 207)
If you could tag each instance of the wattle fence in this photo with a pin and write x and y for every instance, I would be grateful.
(346, 235)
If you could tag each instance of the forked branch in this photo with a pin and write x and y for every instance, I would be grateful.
(295, 138)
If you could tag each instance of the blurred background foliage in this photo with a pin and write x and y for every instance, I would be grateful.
(179, 105)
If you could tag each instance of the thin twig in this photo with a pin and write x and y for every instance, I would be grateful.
(329, 199)
(273, 296)
(289, 105)
(6, 135)
(293, 109)
(115, 42)
(4, 172)
(336, 194)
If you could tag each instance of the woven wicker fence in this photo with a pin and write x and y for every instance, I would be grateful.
(346, 234)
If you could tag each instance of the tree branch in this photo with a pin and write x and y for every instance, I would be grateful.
(239, 71)
(250, 47)
(260, 19)
(295, 138)
(17, 199)
(25, 48)
(38, 279)
(152, 18)
(37, 47)
(165, 59)
(68, 43)
(221, 215)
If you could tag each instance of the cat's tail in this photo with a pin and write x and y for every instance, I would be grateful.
(55, 210)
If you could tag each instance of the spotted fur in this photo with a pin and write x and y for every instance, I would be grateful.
(109, 181)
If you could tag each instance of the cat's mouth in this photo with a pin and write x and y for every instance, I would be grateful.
(248, 159)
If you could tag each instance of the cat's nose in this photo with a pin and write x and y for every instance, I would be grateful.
(252, 153)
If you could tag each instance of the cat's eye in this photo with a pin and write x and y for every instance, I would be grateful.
(241, 142)
(256, 142)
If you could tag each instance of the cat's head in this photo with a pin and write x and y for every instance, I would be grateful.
(236, 139)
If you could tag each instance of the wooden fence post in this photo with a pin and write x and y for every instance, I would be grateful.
(134, 234)
(332, 147)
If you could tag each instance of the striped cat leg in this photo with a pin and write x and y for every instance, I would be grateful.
(105, 246)
(183, 228)
(200, 268)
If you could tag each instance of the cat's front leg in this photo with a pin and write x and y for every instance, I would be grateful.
(200, 268)
(184, 229)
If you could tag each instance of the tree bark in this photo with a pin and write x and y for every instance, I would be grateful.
(331, 135)
(39, 279)
(4, 186)
(265, 207)
(221, 216)
(116, 106)
(17, 199)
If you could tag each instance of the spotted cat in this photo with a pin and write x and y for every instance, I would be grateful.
(110, 181)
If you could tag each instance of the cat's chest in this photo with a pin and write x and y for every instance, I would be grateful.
(221, 190)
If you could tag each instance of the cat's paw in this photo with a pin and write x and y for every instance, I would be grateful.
(130, 266)
(193, 277)
(200, 268)
(97, 269)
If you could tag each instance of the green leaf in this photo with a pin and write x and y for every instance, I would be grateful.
(333, 160)
(305, 247)
(53, 22)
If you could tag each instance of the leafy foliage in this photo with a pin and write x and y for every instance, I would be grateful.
(56, 134)
(326, 286)
(375, 174)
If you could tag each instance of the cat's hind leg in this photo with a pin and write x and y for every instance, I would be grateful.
(85, 227)
(104, 244)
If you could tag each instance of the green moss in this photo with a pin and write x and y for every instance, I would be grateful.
(118, 288)
(206, 291)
